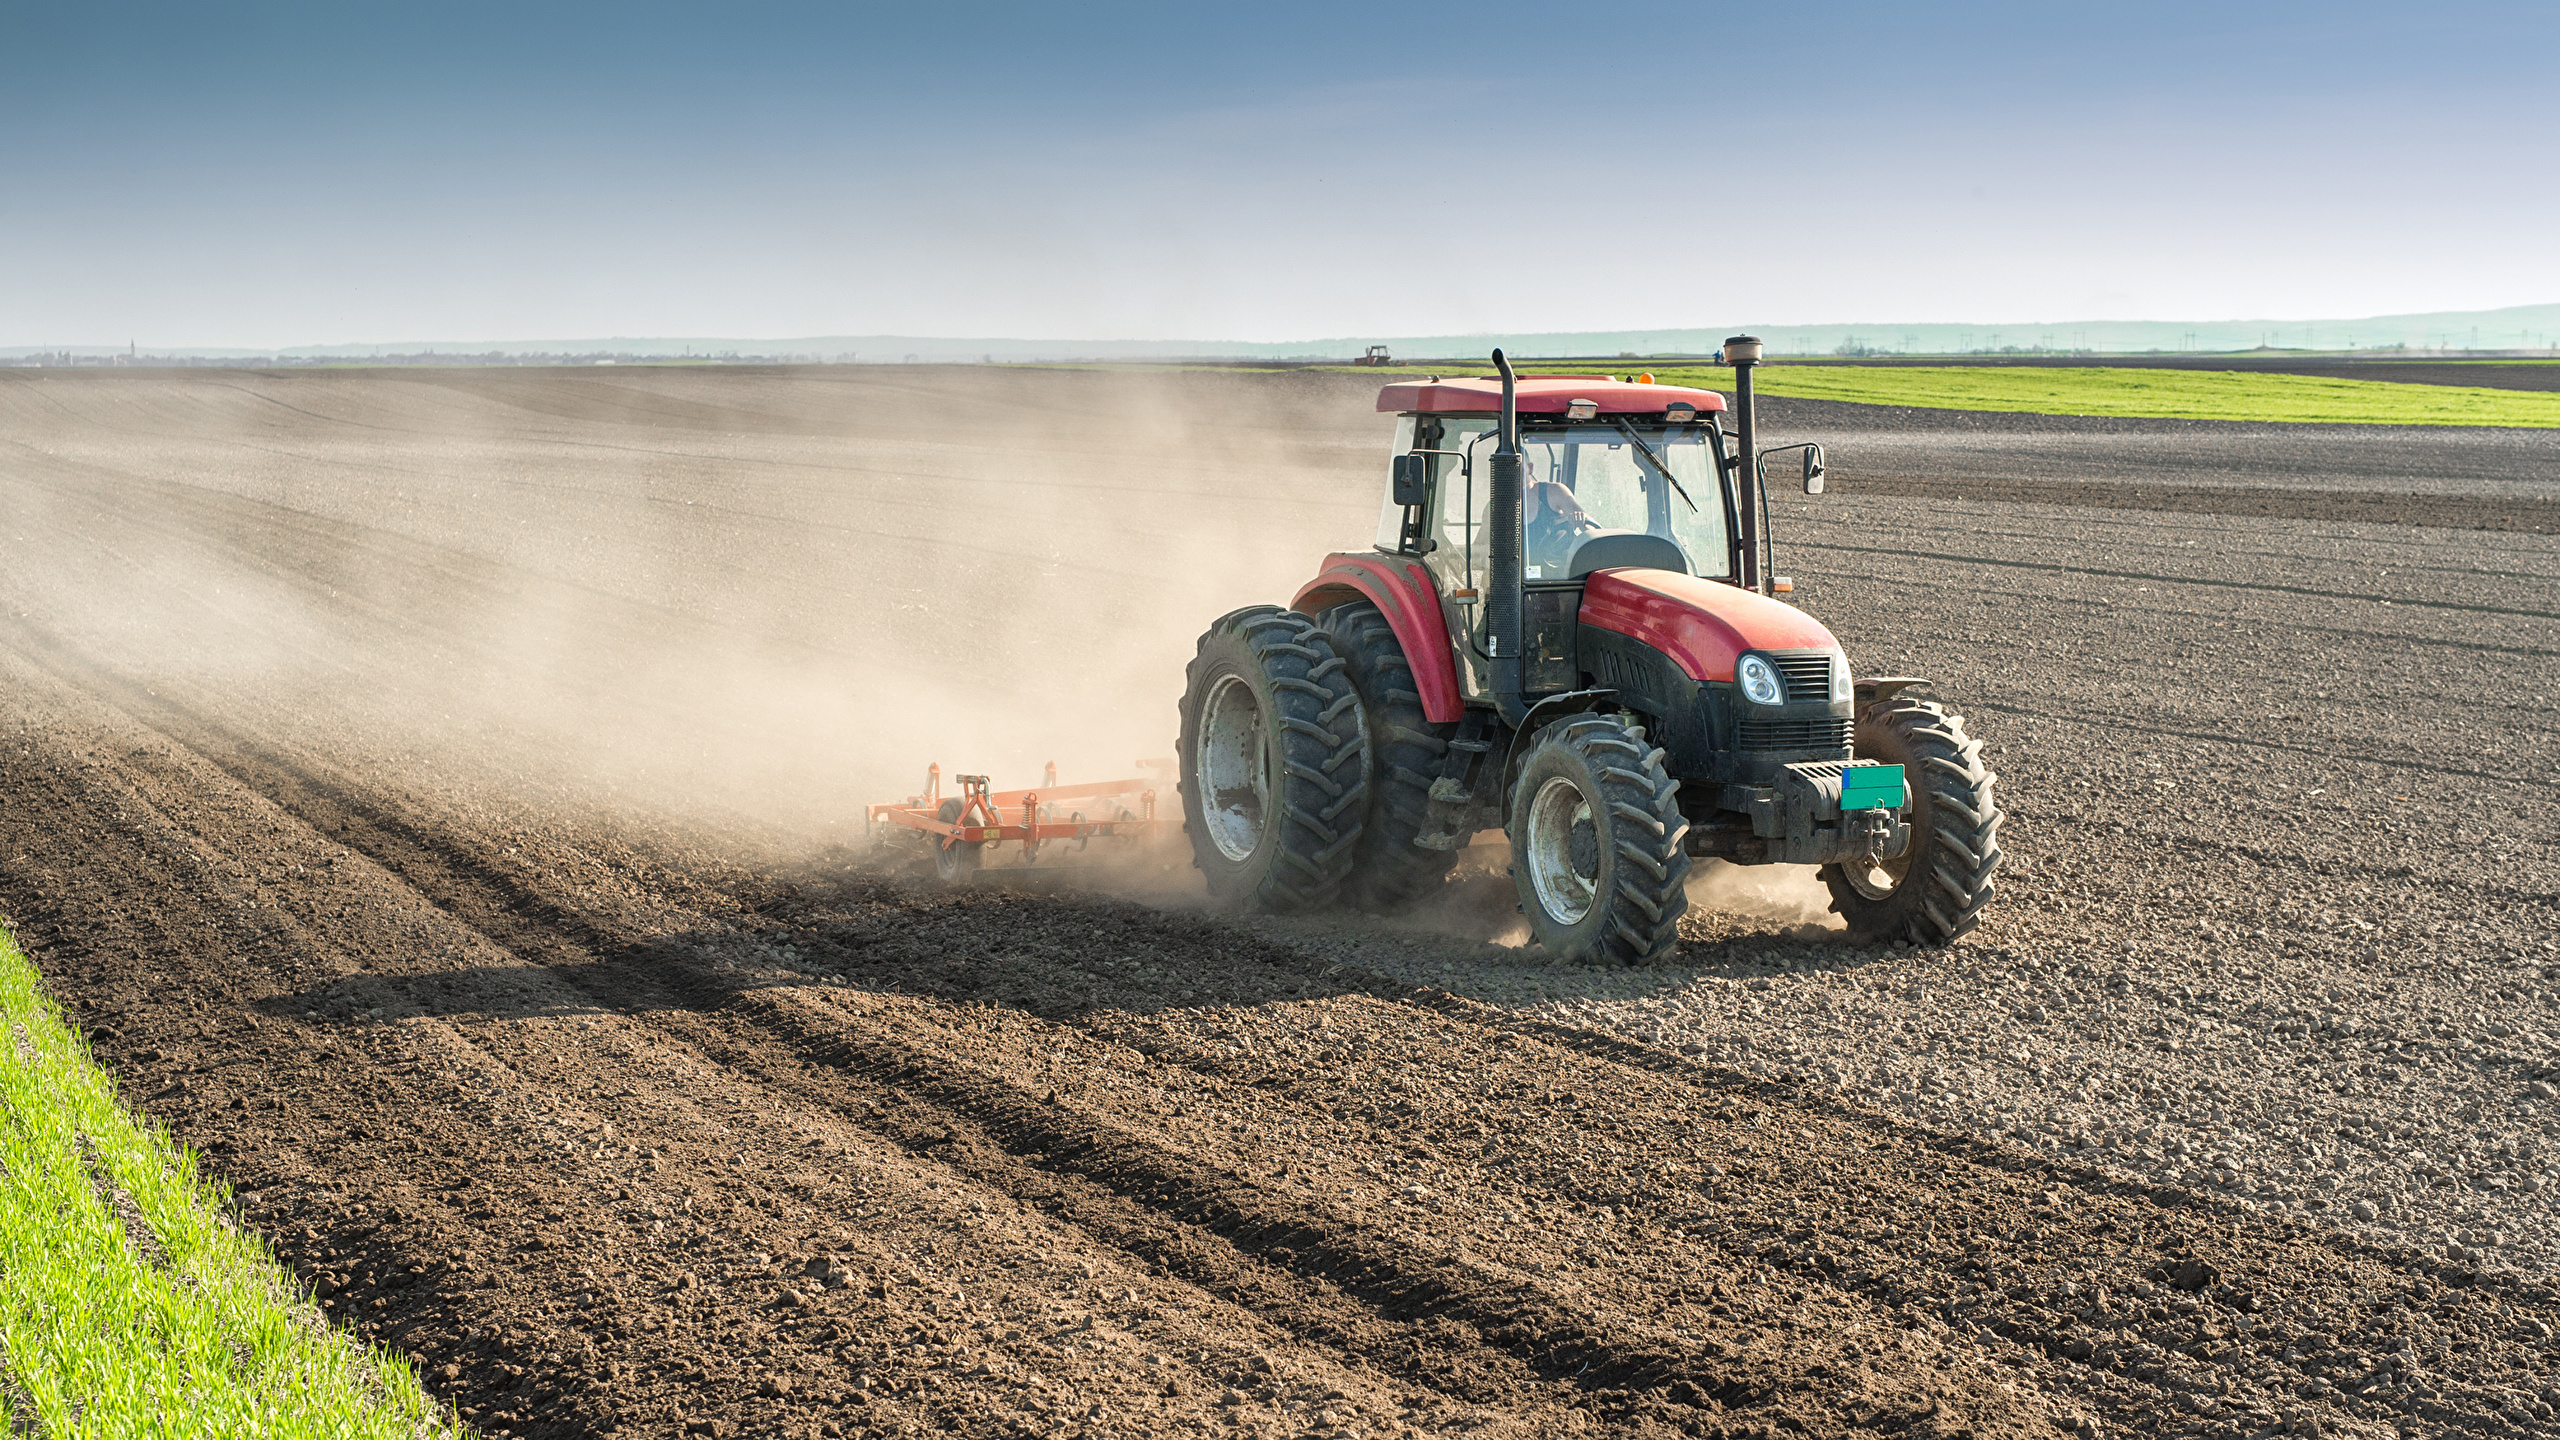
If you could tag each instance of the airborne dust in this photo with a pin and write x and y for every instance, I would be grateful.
(754, 601)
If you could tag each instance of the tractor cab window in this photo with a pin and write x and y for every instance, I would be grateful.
(1583, 483)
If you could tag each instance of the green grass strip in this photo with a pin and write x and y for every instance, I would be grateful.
(183, 1325)
(2141, 393)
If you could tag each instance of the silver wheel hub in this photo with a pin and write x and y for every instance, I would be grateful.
(1561, 847)
(1233, 768)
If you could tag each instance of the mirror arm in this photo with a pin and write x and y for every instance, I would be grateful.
(1812, 463)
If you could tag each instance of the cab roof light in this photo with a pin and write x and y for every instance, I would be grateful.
(1581, 409)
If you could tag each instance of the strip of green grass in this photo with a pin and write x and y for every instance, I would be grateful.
(2132, 392)
(180, 1325)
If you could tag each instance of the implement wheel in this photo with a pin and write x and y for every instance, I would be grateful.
(1595, 843)
(1935, 889)
(1388, 870)
(1275, 762)
(955, 860)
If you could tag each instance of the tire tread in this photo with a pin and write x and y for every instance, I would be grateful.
(1390, 871)
(1943, 892)
(1318, 727)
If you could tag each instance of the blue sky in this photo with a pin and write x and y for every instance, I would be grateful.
(284, 174)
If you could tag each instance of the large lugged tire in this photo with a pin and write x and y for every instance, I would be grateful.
(1935, 890)
(1405, 750)
(1595, 842)
(1275, 761)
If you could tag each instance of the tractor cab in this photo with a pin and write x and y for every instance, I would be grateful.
(1616, 475)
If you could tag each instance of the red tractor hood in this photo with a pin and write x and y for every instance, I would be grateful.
(1703, 625)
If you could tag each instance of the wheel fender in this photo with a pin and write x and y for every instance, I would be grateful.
(1541, 715)
(1404, 593)
(1882, 687)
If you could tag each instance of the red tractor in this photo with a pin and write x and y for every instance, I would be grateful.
(1566, 629)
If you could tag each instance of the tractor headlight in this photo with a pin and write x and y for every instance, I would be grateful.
(1841, 686)
(1759, 681)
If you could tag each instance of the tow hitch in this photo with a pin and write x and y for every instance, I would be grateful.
(1820, 812)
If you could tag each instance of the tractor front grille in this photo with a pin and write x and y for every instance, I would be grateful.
(1825, 733)
(1808, 676)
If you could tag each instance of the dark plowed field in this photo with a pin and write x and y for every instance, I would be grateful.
(433, 790)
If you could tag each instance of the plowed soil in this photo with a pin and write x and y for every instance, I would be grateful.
(431, 793)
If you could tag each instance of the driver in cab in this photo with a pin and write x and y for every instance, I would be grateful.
(1552, 525)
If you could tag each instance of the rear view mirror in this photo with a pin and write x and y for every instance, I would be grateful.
(1412, 479)
(1812, 465)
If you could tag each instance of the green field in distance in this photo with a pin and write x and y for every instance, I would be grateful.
(2143, 393)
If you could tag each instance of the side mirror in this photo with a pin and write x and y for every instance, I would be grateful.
(1412, 479)
(1812, 465)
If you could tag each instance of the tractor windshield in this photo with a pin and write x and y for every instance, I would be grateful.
(1586, 482)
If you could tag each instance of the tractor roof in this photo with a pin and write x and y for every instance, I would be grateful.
(1541, 395)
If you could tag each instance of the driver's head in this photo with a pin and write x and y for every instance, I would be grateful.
(1550, 501)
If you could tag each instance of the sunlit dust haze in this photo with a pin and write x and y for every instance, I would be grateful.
(1787, 895)
(269, 175)
(754, 599)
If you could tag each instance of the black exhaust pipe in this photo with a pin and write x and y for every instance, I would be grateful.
(1504, 587)
(1742, 352)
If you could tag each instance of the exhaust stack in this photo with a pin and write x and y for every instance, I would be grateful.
(1742, 352)
(1504, 586)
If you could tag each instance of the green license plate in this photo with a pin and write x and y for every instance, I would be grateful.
(1871, 787)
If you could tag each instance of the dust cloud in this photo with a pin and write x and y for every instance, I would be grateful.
(1789, 895)
(759, 599)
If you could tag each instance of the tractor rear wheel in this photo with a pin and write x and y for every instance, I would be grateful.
(1388, 871)
(1935, 889)
(1275, 761)
(955, 860)
(1595, 842)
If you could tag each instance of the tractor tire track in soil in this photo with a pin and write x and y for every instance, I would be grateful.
(1670, 1249)
(1323, 1282)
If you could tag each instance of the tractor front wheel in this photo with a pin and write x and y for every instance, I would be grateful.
(1275, 762)
(1595, 843)
(1935, 889)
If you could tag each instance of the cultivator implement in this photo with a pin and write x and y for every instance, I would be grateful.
(1049, 827)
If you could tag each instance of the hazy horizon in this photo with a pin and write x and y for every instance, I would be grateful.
(291, 176)
(2512, 328)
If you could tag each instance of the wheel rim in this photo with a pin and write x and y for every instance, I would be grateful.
(1563, 851)
(1233, 768)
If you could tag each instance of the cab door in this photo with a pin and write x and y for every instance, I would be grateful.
(1459, 448)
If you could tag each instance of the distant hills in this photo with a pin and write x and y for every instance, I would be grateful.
(2522, 327)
